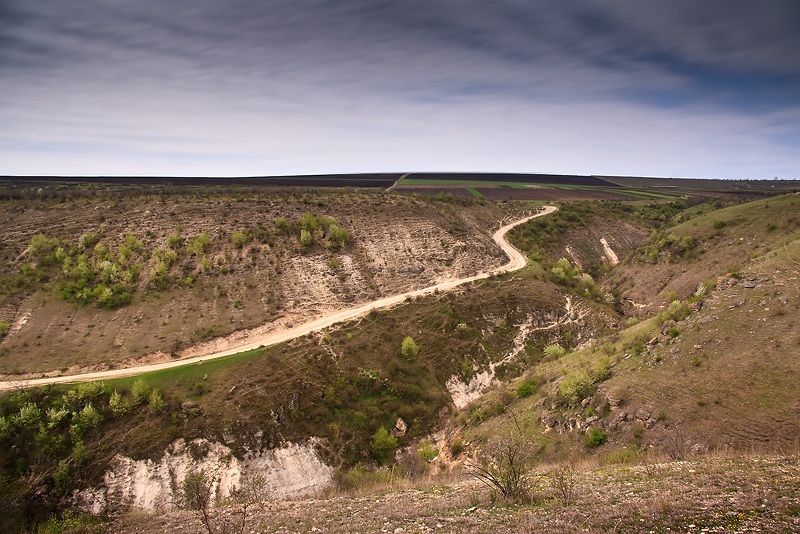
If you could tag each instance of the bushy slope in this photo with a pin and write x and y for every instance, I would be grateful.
(715, 370)
(103, 282)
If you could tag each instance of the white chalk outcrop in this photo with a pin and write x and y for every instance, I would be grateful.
(291, 471)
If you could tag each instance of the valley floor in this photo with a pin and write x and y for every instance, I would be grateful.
(718, 494)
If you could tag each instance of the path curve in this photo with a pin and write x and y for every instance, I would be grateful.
(517, 261)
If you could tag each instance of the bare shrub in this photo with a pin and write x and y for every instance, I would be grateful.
(505, 465)
(196, 494)
(563, 481)
(675, 444)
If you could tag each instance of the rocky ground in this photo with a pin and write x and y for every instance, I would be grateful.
(722, 494)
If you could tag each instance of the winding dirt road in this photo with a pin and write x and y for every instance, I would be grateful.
(516, 261)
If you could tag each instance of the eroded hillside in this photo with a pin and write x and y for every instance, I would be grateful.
(99, 283)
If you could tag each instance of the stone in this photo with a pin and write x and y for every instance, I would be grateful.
(642, 415)
(696, 306)
(585, 402)
(749, 284)
(650, 423)
(547, 419)
(622, 417)
(400, 428)
(667, 325)
(614, 402)
(190, 408)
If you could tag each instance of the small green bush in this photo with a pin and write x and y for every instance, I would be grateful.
(29, 416)
(174, 241)
(576, 386)
(383, 445)
(117, 404)
(4, 328)
(466, 369)
(156, 404)
(595, 438)
(199, 245)
(409, 348)
(239, 238)
(427, 452)
(527, 388)
(140, 391)
(309, 222)
(554, 351)
(306, 238)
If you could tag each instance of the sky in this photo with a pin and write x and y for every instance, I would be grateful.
(677, 88)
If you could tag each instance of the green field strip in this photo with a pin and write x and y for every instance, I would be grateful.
(647, 195)
(475, 192)
(187, 374)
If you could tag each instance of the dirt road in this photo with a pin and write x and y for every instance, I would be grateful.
(516, 261)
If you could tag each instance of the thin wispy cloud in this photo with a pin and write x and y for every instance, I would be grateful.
(256, 88)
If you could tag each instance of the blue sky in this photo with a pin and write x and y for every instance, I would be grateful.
(239, 87)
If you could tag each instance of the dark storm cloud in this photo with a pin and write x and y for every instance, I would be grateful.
(183, 78)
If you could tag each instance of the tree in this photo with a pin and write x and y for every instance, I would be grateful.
(409, 348)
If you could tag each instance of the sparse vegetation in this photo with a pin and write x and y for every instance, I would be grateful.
(351, 385)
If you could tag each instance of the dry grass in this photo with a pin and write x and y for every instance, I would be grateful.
(716, 494)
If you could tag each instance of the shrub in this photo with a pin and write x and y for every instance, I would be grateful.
(719, 225)
(174, 241)
(527, 388)
(41, 246)
(554, 351)
(467, 370)
(84, 420)
(309, 222)
(576, 386)
(4, 328)
(595, 438)
(89, 391)
(55, 416)
(156, 404)
(239, 238)
(117, 404)
(383, 445)
(88, 240)
(29, 415)
(409, 348)
(339, 234)
(140, 391)
(281, 223)
(306, 238)
(427, 451)
(771, 227)
(199, 245)
(456, 447)
(505, 467)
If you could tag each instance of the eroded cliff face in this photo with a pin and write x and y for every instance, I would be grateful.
(251, 272)
(292, 470)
